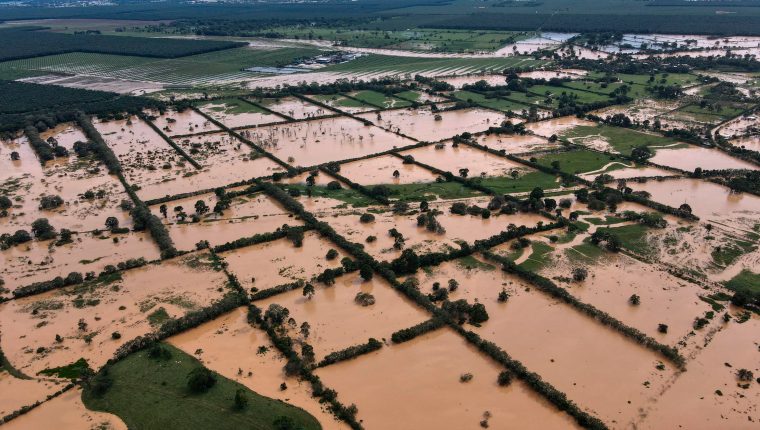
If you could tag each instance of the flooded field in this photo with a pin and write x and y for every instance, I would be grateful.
(246, 216)
(422, 124)
(692, 157)
(428, 369)
(382, 170)
(293, 107)
(570, 350)
(452, 159)
(188, 121)
(516, 144)
(338, 322)
(237, 113)
(85, 316)
(310, 143)
(229, 344)
(706, 199)
(549, 127)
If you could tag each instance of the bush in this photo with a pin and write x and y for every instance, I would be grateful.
(350, 352)
(364, 299)
(366, 218)
(43, 230)
(5, 203)
(333, 185)
(200, 380)
(504, 378)
(331, 254)
(50, 202)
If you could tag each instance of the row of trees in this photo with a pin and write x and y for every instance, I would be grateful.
(351, 352)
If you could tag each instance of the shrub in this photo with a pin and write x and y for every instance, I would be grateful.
(580, 274)
(43, 230)
(331, 254)
(504, 378)
(5, 203)
(364, 299)
(333, 185)
(50, 202)
(200, 380)
(366, 218)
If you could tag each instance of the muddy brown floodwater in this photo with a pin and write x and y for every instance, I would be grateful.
(417, 385)
(448, 158)
(379, 170)
(692, 157)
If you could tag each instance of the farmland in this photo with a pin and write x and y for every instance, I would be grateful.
(370, 219)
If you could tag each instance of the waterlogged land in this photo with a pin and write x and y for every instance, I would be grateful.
(571, 246)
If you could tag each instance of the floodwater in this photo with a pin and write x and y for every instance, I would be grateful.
(693, 400)
(427, 371)
(247, 216)
(692, 157)
(568, 349)
(739, 127)
(309, 143)
(627, 172)
(295, 108)
(422, 125)
(459, 81)
(224, 112)
(549, 74)
(338, 322)
(42, 261)
(230, 345)
(30, 323)
(280, 262)
(16, 393)
(179, 123)
(516, 144)
(379, 170)
(665, 299)
(458, 228)
(452, 159)
(67, 412)
(706, 199)
(751, 142)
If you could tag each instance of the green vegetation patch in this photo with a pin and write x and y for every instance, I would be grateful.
(380, 100)
(633, 237)
(621, 139)
(472, 263)
(232, 106)
(747, 282)
(153, 393)
(539, 258)
(586, 253)
(580, 161)
(430, 191)
(727, 254)
(523, 183)
(491, 103)
(72, 371)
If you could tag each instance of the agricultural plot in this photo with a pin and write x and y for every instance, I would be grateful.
(516, 144)
(309, 143)
(459, 81)
(246, 216)
(337, 321)
(382, 170)
(579, 95)
(386, 64)
(295, 108)
(68, 411)
(582, 161)
(130, 303)
(419, 97)
(343, 103)
(617, 139)
(188, 121)
(373, 98)
(690, 157)
(494, 103)
(463, 160)
(556, 126)
(229, 343)
(425, 125)
(433, 381)
(234, 112)
(579, 368)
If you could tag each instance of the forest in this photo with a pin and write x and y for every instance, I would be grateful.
(27, 42)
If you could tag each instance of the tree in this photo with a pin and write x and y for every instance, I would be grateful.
(50, 202)
(641, 153)
(201, 207)
(308, 291)
(311, 180)
(464, 172)
(241, 400)
(537, 193)
(112, 223)
(200, 380)
(424, 206)
(504, 378)
(5, 203)
(163, 210)
(396, 174)
(580, 274)
(42, 229)
(635, 300)
(503, 296)
(332, 254)
(366, 218)
(365, 272)
(662, 328)
(305, 330)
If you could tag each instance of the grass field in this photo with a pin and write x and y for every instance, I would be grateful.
(621, 139)
(232, 106)
(213, 67)
(523, 183)
(582, 96)
(531, 99)
(492, 103)
(340, 101)
(538, 258)
(153, 393)
(379, 100)
(747, 282)
(579, 161)
(431, 190)
(633, 237)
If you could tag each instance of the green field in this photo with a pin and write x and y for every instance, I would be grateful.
(152, 393)
(213, 67)
(531, 99)
(582, 96)
(491, 103)
(579, 161)
(746, 282)
(539, 257)
(231, 106)
(623, 140)
(430, 190)
(523, 183)
(379, 100)
(633, 237)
